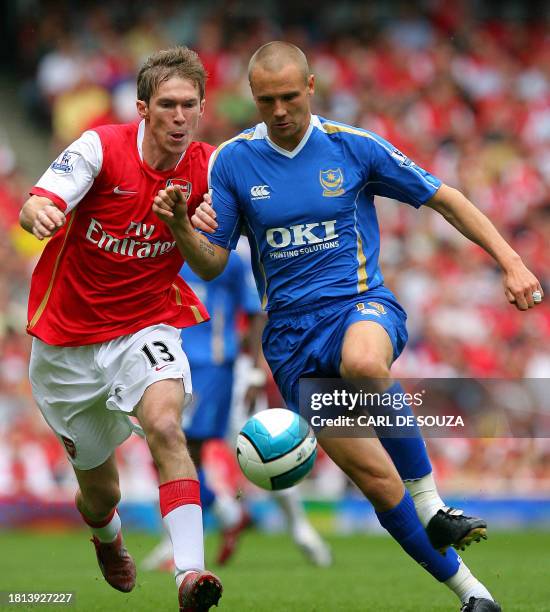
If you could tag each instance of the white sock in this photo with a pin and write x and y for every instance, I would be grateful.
(180, 507)
(107, 532)
(425, 496)
(227, 510)
(465, 585)
(291, 505)
(184, 525)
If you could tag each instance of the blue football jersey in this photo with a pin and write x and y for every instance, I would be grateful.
(217, 341)
(309, 213)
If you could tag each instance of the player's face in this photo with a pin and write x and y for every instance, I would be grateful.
(172, 117)
(283, 100)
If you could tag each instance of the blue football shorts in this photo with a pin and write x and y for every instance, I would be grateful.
(307, 342)
(208, 414)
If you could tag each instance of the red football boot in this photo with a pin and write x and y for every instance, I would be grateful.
(199, 591)
(116, 564)
(230, 538)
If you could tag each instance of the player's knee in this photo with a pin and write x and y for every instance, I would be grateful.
(98, 500)
(165, 434)
(365, 366)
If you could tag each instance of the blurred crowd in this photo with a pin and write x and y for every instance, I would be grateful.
(464, 94)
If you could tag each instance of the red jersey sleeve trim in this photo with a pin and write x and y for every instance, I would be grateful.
(59, 202)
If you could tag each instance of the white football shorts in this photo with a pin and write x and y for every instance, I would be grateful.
(87, 393)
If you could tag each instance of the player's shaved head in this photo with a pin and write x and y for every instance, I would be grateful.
(276, 55)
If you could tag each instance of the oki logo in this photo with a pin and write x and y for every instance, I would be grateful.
(304, 233)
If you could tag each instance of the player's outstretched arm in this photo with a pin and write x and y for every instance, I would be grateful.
(41, 217)
(207, 260)
(519, 283)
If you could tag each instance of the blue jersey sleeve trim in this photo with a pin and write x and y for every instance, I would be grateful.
(431, 183)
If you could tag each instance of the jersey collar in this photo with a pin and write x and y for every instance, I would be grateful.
(139, 143)
(261, 133)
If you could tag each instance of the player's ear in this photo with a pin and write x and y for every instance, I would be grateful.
(142, 109)
(311, 84)
(201, 107)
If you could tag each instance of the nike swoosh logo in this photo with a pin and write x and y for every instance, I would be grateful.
(159, 368)
(119, 191)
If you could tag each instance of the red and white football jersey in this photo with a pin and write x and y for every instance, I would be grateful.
(113, 268)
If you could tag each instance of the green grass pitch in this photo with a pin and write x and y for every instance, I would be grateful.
(269, 574)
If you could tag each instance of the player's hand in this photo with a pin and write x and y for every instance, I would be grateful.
(47, 221)
(519, 286)
(252, 395)
(169, 205)
(204, 218)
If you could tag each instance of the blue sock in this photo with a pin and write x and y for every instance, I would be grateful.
(408, 454)
(207, 495)
(403, 524)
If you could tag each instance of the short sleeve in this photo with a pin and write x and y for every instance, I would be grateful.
(393, 175)
(72, 174)
(224, 200)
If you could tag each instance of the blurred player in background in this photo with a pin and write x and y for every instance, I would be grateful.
(304, 187)
(105, 304)
(212, 350)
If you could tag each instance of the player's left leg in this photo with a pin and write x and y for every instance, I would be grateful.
(159, 413)
(366, 464)
(368, 351)
(148, 375)
(162, 556)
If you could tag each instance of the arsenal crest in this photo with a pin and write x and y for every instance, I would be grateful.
(184, 185)
(69, 446)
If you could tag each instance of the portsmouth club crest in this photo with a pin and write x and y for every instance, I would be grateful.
(331, 182)
(184, 185)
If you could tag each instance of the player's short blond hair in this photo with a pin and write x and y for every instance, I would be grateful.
(179, 62)
(275, 55)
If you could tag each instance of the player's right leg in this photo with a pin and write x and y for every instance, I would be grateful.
(96, 499)
(71, 396)
(367, 465)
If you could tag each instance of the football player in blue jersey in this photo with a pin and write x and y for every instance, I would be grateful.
(303, 188)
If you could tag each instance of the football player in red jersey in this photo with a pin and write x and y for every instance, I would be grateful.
(105, 306)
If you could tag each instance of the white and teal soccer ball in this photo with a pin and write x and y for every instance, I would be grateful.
(276, 448)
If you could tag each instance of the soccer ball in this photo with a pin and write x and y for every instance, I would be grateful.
(276, 448)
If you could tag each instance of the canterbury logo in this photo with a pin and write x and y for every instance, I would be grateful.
(259, 192)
